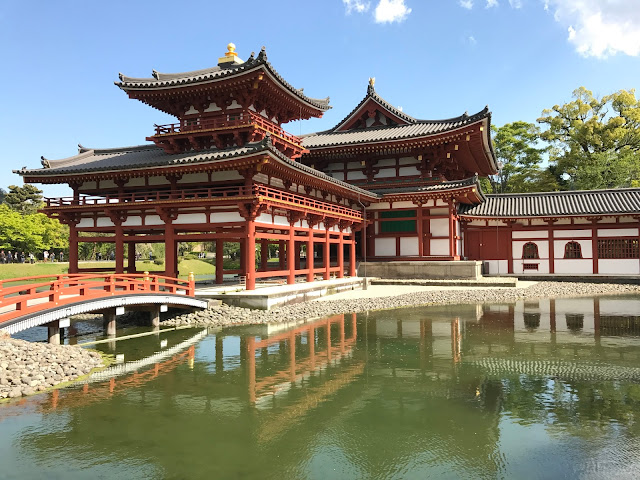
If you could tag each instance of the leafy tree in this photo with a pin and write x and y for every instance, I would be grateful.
(517, 148)
(31, 233)
(3, 192)
(596, 141)
(26, 200)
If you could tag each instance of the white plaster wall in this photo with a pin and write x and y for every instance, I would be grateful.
(87, 186)
(385, 247)
(191, 110)
(135, 182)
(608, 220)
(338, 175)
(619, 266)
(442, 203)
(380, 206)
(543, 249)
(439, 247)
(397, 205)
(280, 220)
(563, 221)
(215, 108)
(354, 165)
(409, 246)
(386, 162)
(439, 211)
(155, 181)
(226, 175)
(617, 232)
(573, 265)
(529, 234)
(132, 221)
(223, 217)
(153, 220)
(107, 184)
(194, 178)
(85, 223)
(572, 233)
(104, 222)
(406, 171)
(408, 160)
(356, 175)
(386, 173)
(497, 267)
(191, 218)
(439, 227)
(585, 246)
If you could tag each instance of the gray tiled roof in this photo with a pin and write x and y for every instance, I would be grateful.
(143, 156)
(558, 204)
(420, 128)
(165, 80)
(436, 187)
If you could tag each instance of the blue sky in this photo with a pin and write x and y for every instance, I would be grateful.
(435, 59)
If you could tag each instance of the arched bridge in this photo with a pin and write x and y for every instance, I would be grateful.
(46, 300)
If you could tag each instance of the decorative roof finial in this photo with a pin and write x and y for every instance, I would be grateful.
(230, 57)
(371, 88)
(45, 163)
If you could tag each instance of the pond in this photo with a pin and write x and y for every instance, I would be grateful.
(535, 389)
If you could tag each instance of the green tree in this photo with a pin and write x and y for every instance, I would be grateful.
(26, 200)
(596, 141)
(31, 233)
(517, 149)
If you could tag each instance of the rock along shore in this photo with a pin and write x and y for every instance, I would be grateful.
(227, 315)
(28, 367)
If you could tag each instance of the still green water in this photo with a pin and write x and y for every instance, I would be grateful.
(547, 389)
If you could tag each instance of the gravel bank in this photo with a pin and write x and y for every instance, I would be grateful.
(27, 367)
(227, 315)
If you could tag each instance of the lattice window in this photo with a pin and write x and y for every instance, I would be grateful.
(618, 248)
(530, 250)
(572, 250)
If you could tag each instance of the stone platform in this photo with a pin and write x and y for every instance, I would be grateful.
(433, 270)
(482, 282)
(265, 297)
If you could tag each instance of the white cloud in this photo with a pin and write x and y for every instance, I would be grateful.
(515, 3)
(492, 3)
(472, 40)
(468, 4)
(599, 28)
(357, 6)
(389, 11)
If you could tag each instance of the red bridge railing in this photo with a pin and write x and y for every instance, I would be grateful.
(28, 295)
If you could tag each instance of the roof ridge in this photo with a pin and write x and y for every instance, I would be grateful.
(563, 192)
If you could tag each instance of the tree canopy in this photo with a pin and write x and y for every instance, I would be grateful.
(26, 200)
(30, 233)
(595, 141)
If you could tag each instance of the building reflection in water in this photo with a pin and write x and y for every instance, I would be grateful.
(444, 387)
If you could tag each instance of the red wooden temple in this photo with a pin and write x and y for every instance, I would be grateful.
(226, 171)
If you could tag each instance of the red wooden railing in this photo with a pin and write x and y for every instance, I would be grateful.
(267, 193)
(27, 295)
(232, 120)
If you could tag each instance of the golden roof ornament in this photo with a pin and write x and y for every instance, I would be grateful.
(230, 57)
(372, 82)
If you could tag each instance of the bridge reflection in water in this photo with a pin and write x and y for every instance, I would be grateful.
(440, 391)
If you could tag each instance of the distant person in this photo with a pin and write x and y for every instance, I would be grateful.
(45, 256)
(22, 257)
(3, 257)
(150, 255)
(32, 258)
(112, 255)
(61, 256)
(9, 257)
(98, 256)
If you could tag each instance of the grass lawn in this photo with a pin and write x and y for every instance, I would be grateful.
(17, 270)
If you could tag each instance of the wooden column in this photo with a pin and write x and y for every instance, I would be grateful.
(341, 254)
(170, 257)
(352, 254)
(73, 248)
(509, 245)
(552, 253)
(327, 254)
(452, 233)
(250, 255)
(419, 226)
(219, 261)
(291, 276)
(264, 254)
(119, 240)
(594, 243)
(131, 260)
(310, 276)
(297, 255)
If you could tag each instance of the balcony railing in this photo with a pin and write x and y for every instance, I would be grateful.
(241, 119)
(261, 192)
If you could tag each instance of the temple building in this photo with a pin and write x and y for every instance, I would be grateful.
(380, 185)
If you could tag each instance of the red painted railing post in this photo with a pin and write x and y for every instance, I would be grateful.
(191, 292)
